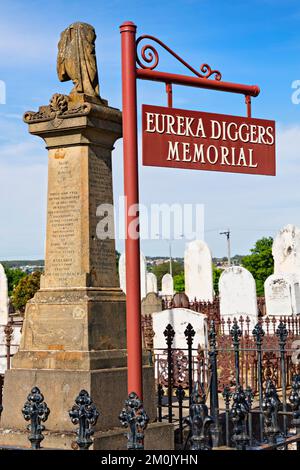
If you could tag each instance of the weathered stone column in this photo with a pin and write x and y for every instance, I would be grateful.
(74, 333)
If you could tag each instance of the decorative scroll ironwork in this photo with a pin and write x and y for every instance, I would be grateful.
(258, 334)
(134, 416)
(199, 421)
(150, 57)
(179, 369)
(36, 411)
(84, 413)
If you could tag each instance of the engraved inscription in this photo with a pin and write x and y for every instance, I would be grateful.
(64, 219)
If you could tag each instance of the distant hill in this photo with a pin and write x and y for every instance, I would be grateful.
(19, 263)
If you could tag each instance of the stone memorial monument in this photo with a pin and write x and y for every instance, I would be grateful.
(198, 271)
(74, 333)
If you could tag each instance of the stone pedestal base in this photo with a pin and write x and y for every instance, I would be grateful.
(107, 387)
(75, 329)
(158, 436)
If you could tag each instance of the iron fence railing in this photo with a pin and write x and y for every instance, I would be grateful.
(252, 405)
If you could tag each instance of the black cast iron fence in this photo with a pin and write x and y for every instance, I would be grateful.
(255, 404)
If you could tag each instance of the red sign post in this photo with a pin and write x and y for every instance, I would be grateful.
(194, 140)
(135, 66)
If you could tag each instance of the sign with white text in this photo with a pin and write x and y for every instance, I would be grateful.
(195, 140)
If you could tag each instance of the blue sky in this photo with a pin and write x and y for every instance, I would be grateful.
(255, 42)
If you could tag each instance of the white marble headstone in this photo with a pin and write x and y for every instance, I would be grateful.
(3, 297)
(237, 293)
(122, 273)
(282, 294)
(151, 283)
(198, 271)
(167, 285)
(286, 251)
(179, 318)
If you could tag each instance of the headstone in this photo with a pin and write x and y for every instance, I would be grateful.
(180, 299)
(151, 303)
(167, 286)
(179, 318)
(151, 283)
(286, 251)
(282, 294)
(198, 271)
(143, 273)
(237, 293)
(3, 297)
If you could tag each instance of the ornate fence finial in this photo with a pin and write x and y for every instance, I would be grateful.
(282, 334)
(84, 413)
(295, 401)
(235, 333)
(258, 334)
(189, 333)
(270, 406)
(36, 411)
(169, 334)
(134, 416)
(239, 413)
(199, 420)
(212, 335)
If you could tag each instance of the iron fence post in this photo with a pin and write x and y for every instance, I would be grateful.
(8, 331)
(227, 395)
(294, 399)
(36, 411)
(180, 394)
(189, 335)
(282, 335)
(160, 394)
(135, 418)
(236, 334)
(200, 423)
(259, 334)
(239, 413)
(169, 334)
(214, 398)
(84, 413)
(270, 408)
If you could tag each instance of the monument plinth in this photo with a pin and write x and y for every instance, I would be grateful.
(74, 332)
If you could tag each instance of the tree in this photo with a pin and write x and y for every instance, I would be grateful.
(260, 262)
(179, 285)
(25, 290)
(216, 276)
(14, 275)
(161, 269)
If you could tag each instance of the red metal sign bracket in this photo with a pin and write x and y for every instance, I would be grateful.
(147, 62)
